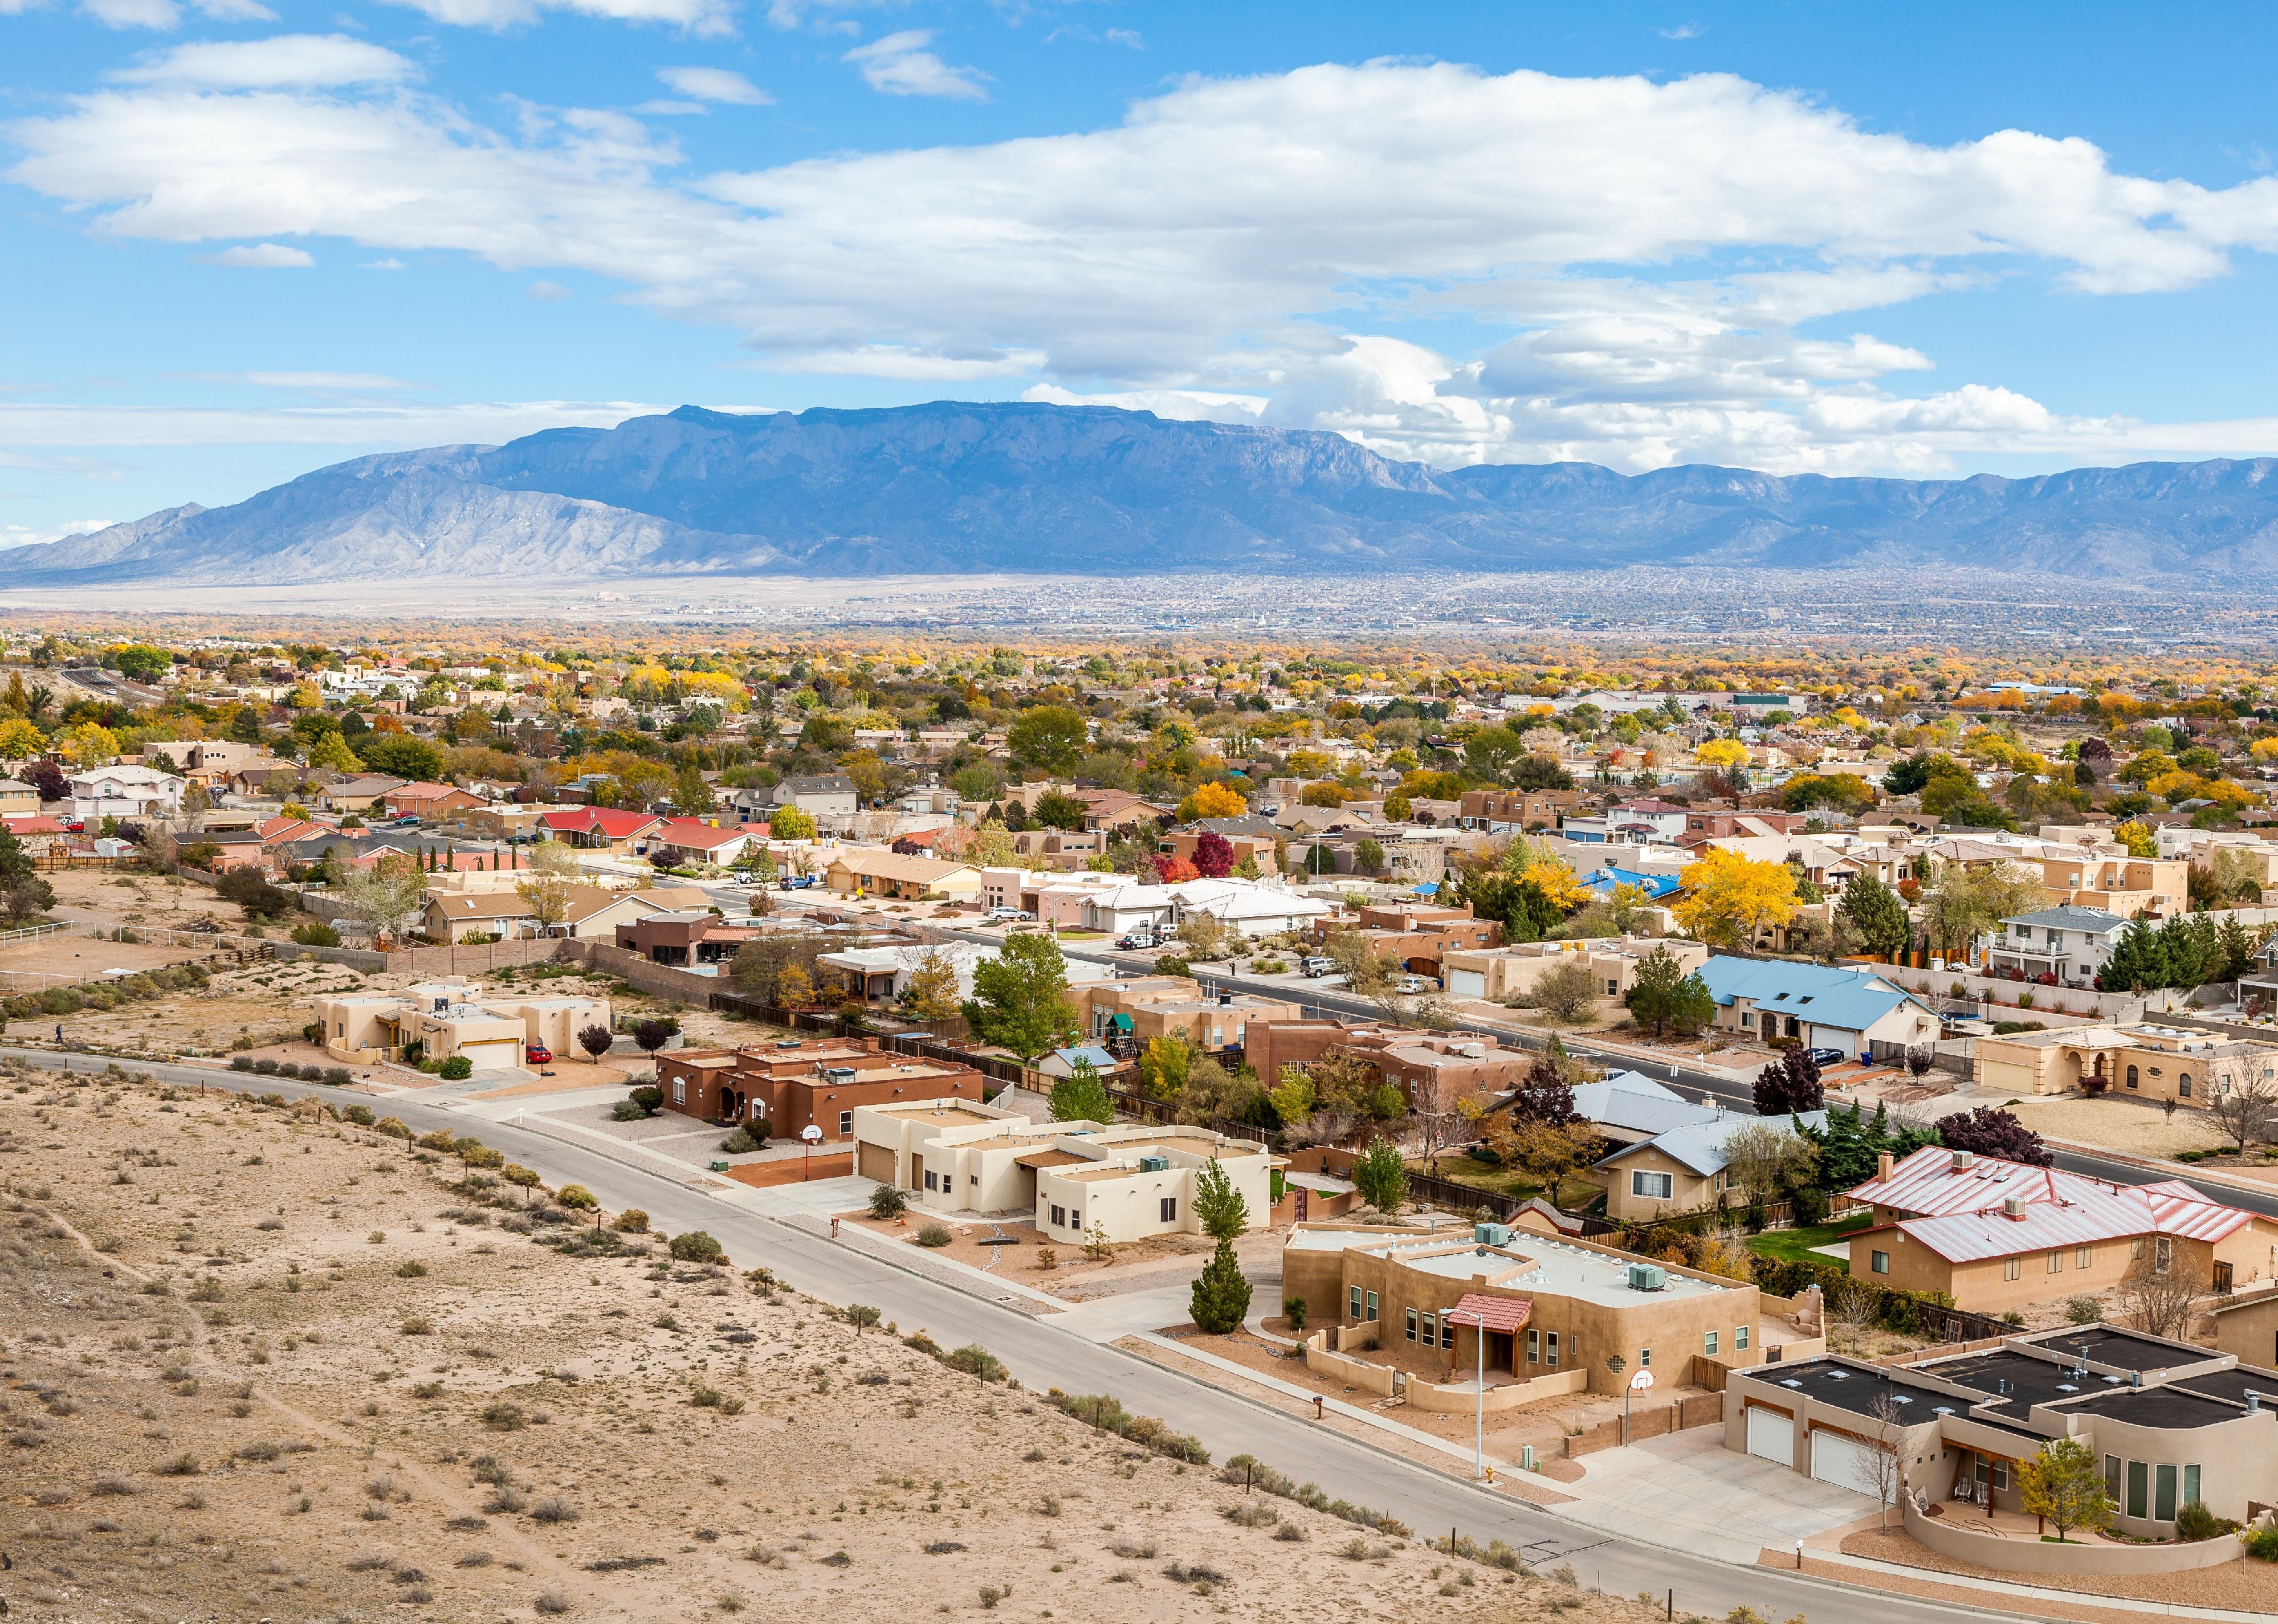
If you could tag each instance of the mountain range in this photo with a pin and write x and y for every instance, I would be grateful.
(962, 487)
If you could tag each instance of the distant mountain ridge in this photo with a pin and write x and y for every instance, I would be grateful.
(957, 487)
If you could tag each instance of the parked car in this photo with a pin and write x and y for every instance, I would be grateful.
(997, 915)
(538, 1054)
(799, 882)
(1136, 939)
(1411, 984)
(1316, 966)
(1827, 1056)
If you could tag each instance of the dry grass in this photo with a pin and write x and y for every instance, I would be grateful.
(291, 1454)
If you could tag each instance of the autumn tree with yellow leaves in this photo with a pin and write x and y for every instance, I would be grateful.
(1728, 897)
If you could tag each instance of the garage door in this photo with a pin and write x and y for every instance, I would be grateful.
(1844, 1462)
(1771, 1435)
(877, 1162)
(1467, 984)
(491, 1054)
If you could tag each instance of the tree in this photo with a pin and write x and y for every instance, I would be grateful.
(401, 756)
(22, 892)
(1213, 856)
(1663, 994)
(547, 896)
(1221, 1298)
(1544, 1094)
(522, 1178)
(256, 896)
(87, 743)
(2064, 1483)
(653, 1034)
(1081, 1096)
(595, 1041)
(1381, 1176)
(1212, 800)
(1545, 1152)
(1206, 936)
(331, 751)
(1790, 1085)
(1050, 737)
(1368, 856)
(2246, 1108)
(1058, 810)
(19, 740)
(1986, 1132)
(387, 896)
(1218, 1206)
(790, 823)
(1568, 993)
(1729, 898)
(931, 992)
(1884, 1470)
(1019, 998)
(1165, 1065)
(692, 795)
(1877, 915)
(1764, 1159)
(760, 966)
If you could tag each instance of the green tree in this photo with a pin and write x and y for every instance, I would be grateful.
(22, 892)
(1220, 1298)
(1050, 737)
(1019, 998)
(1381, 1176)
(1057, 811)
(1165, 1065)
(691, 794)
(1081, 1096)
(2065, 1483)
(1661, 994)
(1877, 915)
(331, 751)
(400, 756)
(1218, 1206)
(790, 823)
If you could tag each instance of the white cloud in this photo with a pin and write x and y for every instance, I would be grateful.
(320, 381)
(697, 17)
(1261, 238)
(389, 263)
(160, 14)
(714, 85)
(900, 64)
(261, 256)
(1181, 405)
(26, 424)
(291, 60)
(1683, 31)
(24, 536)
(547, 293)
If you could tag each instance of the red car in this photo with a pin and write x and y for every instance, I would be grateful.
(538, 1054)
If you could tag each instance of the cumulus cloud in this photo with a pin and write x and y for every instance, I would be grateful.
(261, 256)
(162, 15)
(547, 293)
(900, 64)
(714, 85)
(290, 59)
(1665, 272)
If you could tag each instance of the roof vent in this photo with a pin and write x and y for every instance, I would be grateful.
(1962, 1161)
(1941, 1409)
(1838, 1375)
(2134, 1378)
(2254, 1402)
(1791, 1382)
(2066, 1387)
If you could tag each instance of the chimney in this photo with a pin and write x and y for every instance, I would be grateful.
(1963, 1160)
(1884, 1163)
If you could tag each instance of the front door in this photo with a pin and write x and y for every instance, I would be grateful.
(1301, 1192)
(2222, 1277)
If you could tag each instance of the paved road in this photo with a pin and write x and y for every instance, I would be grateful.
(1041, 1354)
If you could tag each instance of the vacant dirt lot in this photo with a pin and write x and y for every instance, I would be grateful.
(2119, 1124)
(263, 1365)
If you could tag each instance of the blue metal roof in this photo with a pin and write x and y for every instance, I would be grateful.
(1850, 999)
(1600, 882)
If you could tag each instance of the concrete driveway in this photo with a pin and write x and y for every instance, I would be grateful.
(1688, 1490)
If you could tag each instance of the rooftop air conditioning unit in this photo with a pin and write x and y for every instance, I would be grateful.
(1491, 1234)
(838, 1074)
(2014, 1207)
(1963, 1160)
(1154, 1164)
(1647, 1278)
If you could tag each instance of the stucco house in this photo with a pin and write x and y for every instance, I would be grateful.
(1814, 1005)
(124, 793)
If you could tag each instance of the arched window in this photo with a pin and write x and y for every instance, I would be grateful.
(2183, 1086)
(2131, 1077)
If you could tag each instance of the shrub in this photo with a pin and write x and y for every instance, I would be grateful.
(2194, 1522)
(741, 1143)
(336, 1076)
(886, 1201)
(458, 1068)
(393, 1127)
(241, 1063)
(2262, 1544)
(360, 1115)
(316, 935)
(649, 1098)
(554, 1509)
(625, 1110)
(975, 1361)
(550, 1602)
(631, 1221)
(504, 1417)
(697, 1246)
(411, 1270)
(934, 1235)
(1105, 1414)
(265, 1066)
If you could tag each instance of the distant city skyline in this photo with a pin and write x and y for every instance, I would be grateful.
(247, 240)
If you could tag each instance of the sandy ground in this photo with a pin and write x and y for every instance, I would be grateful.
(260, 1365)
(2243, 1585)
(2119, 1124)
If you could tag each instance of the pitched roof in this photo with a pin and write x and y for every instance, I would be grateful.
(480, 905)
(1853, 999)
(614, 822)
(2071, 917)
(882, 865)
(1632, 1101)
(2081, 1217)
(1491, 1312)
(1699, 1147)
(695, 834)
(1929, 1184)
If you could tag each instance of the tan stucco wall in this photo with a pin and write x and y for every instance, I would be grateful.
(1689, 1192)
(2249, 1330)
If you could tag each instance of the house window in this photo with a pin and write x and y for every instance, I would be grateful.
(2163, 1493)
(1447, 1333)
(1550, 1349)
(2010, 1269)
(1170, 1205)
(680, 1091)
(2139, 1488)
(1879, 1262)
(2131, 1077)
(1412, 1324)
(1739, 1339)
(2056, 1260)
(2135, 1250)
(846, 1122)
(1371, 1308)
(1355, 1303)
(1060, 1217)
(1535, 1347)
(2112, 1478)
(2183, 1086)
(2163, 1253)
(1657, 1186)
(1645, 1358)
(1747, 1017)
(2001, 1475)
(2191, 1484)
(1708, 1344)
(2082, 1256)
(932, 1181)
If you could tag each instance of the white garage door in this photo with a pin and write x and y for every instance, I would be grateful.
(1467, 984)
(1771, 1435)
(1844, 1463)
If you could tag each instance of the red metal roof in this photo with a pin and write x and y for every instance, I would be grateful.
(1491, 1312)
(1928, 1184)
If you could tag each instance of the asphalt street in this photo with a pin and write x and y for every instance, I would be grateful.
(1042, 1355)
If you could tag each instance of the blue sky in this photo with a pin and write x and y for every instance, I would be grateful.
(246, 238)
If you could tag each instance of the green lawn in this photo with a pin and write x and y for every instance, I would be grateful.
(1796, 1244)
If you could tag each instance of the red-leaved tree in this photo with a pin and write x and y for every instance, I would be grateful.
(1213, 856)
(1170, 870)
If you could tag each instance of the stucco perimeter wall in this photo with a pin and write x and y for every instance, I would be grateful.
(2095, 1558)
(1438, 1400)
(1353, 1372)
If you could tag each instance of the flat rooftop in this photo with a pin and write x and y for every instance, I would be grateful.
(2232, 1385)
(936, 1113)
(2108, 1345)
(2017, 1381)
(1848, 1387)
(2170, 1408)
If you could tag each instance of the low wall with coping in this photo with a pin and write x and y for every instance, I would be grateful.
(1436, 1399)
(2091, 1557)
(1353, 1372)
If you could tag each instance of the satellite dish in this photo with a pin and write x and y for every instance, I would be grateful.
(812, 1134)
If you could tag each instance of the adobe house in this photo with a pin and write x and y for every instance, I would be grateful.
(798, 1082)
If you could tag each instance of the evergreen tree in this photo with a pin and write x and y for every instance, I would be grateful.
(1219, 1207)
(1671, 1001)
(1081, 1096)
(1381, 1176)
(1877, 915)
(1220, 1298)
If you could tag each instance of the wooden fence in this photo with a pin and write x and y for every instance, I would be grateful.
(1700, 1409)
